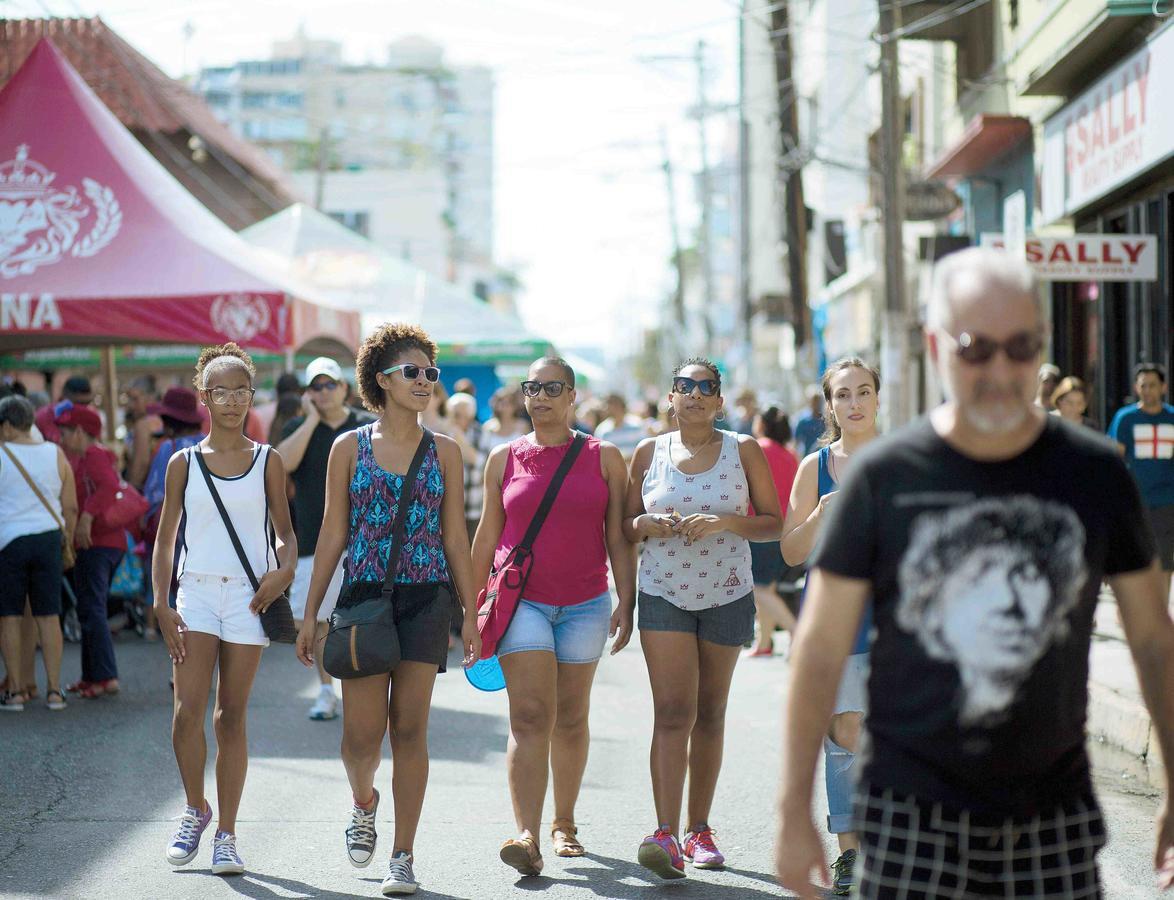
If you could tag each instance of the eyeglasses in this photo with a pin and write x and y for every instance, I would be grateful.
(975, 349)
(323, 386)
(707, 386)
(552, 388)
(221, 396)
(412, 372)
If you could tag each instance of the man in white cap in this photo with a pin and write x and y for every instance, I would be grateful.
(305, 448)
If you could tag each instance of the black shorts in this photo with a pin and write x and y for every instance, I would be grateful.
(913, 849)
(423, 613)
(30, 568)
(1162, 522)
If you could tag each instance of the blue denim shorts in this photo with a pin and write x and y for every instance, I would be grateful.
(574, 634)
(730, 625)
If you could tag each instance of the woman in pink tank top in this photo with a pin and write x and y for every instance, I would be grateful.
(556, 638)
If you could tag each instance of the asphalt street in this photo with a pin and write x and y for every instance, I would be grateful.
(89, 796)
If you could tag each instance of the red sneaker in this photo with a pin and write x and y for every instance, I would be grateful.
(660, 853)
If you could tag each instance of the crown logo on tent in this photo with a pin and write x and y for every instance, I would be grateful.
(22, 177)
(41, 225)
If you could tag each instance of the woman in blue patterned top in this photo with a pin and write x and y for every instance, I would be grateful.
(396, 375)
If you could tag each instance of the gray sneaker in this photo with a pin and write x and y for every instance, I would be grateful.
(400, 877)
(360, 835)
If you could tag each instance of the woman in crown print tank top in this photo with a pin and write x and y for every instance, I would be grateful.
(690, 495)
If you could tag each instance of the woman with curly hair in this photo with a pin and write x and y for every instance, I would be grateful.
(216, 622)
(365, 484)
(689, 500)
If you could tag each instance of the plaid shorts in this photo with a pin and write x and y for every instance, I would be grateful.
(913, 849)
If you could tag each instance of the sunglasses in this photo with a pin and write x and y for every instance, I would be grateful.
(323, 386)
(412, 372)
(708, 386)
(552, 388)
(975, 350)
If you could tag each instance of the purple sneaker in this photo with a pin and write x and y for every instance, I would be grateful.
(186, 842)
(702, 851)
(660, 853)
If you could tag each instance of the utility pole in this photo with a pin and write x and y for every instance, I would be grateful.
(795, 210)
(323, 159)
(895, 331)
(744, 250)
(678, 259)
(703, 242)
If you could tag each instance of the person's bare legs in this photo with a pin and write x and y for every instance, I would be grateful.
(411, 701)
(770, 612)
(238, 667)
(364, 723)
(845, 731)
(706, 743)
(10, 646)
(672, 658)
(531, 678)
(49, 629)
(193, 680)
(571, 739)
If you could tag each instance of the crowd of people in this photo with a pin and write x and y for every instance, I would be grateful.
(954, 569)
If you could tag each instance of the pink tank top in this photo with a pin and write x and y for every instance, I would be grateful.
(570, 553)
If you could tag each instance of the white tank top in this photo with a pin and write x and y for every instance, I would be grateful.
(712, 571)
(207, 548)
(23, 513)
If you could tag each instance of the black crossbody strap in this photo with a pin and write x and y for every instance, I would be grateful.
(232, 536)
(552, 490)
(402, 507)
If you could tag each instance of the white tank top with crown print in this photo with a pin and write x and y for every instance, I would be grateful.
(715, 570)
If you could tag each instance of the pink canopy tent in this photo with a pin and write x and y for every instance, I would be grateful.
(100, 245)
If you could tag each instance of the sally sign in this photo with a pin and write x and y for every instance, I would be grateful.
(1088, 257)
(1116, 130)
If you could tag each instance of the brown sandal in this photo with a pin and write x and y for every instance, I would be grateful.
(565, 838)
(522, 855)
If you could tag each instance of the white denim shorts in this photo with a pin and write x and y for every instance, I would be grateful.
(299, 591)
(852, 695)
(219, 605)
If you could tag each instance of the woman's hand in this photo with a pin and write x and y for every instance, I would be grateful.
(799, 857)
(621, 627)
(470, 640)
(173, 627)
(307, 637)
(270, 588)
(699, 525)
(822, 506)
(82, 538)
(650, 525)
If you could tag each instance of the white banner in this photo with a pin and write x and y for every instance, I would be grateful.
(1114, 131)
(1088, 257)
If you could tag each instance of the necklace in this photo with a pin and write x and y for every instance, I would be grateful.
(693, 451)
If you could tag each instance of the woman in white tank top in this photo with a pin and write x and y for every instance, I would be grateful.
(689, 501)
(30, 550)
(216, 622)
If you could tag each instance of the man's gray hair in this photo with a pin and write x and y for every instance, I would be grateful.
(987, 265)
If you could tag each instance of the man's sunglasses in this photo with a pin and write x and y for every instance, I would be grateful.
(552, 388)
(707, 386)
(320, 386)
(412, 372)
(975, 350)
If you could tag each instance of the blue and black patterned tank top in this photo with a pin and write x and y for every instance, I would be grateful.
(827, 485)
(375, 494)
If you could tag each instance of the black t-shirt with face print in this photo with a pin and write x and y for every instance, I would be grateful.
(984, 581)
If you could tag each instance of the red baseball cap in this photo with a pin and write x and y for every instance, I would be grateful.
(83, 417)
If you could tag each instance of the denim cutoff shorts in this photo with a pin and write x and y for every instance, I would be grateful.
(574, 634)
(730, 625)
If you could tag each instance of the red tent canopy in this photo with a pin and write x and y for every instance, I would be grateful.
(99, 244)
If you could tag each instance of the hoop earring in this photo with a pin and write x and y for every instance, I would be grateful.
(721, 414)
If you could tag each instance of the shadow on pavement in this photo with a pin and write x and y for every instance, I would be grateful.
(265, 887)
(599, 884)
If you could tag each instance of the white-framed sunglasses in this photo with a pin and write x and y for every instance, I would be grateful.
(411, 372)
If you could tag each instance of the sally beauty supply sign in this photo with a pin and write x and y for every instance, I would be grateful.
(1116, 130)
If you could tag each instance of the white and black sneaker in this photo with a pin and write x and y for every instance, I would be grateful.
(360, 835)
(225, 859)
(400, 877)
(325, 707)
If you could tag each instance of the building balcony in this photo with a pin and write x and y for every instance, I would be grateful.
(1072, 37)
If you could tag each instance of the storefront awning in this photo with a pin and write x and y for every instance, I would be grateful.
(987, 139)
